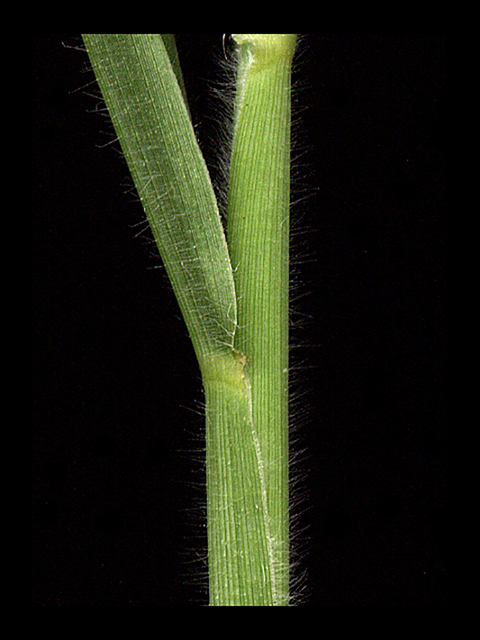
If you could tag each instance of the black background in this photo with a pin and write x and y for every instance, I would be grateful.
(118, 497)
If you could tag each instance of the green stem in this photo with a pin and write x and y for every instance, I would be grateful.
(258, 240)
(240, 564)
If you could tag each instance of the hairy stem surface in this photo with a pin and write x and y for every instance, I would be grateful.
(258, 239)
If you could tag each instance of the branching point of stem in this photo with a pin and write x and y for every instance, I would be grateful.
(226, 368)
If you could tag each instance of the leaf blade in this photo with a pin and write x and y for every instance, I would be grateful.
(151, 119)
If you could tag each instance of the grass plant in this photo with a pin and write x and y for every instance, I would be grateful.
(231, 284)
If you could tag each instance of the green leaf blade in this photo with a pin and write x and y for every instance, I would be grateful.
(152, 122)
